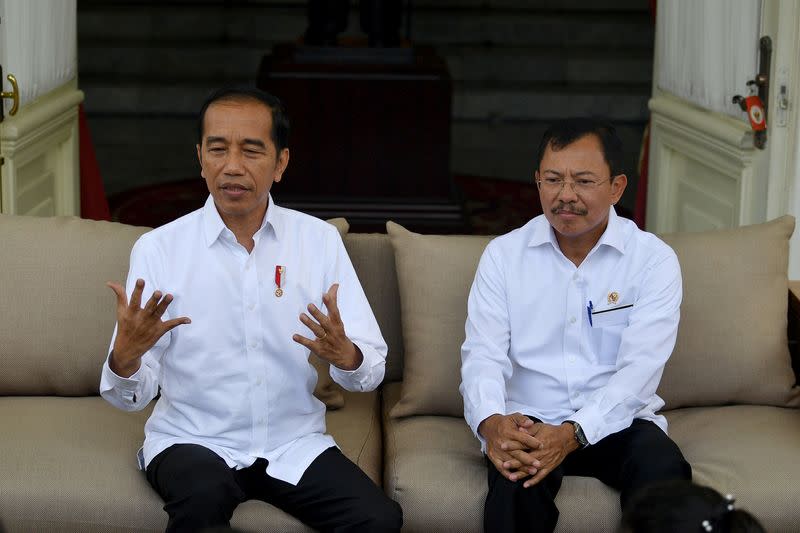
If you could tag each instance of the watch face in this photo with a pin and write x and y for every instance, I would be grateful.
(580, 436)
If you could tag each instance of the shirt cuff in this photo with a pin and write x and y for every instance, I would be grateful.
(479, 416)
(589, 420)
(361, 373)
(112, 380)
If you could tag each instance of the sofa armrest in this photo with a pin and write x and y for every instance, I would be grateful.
(794, 326)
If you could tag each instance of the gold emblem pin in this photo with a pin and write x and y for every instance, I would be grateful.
(278, 292)
(613, 297)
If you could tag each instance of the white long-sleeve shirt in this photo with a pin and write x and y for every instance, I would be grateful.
(530, 346)
(233, 380)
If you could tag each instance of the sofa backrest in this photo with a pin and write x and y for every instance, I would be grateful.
(373, 258)
(732, 342)
(56, 314)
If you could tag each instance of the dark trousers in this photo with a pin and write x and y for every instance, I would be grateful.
(200, 491)
(627, 461)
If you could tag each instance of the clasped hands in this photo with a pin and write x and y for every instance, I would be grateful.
(139, 328)
(520, 448)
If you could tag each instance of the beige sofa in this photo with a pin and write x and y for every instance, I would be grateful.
(67, 458)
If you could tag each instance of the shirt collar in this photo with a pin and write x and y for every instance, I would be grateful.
(613, 236)
(214, 226)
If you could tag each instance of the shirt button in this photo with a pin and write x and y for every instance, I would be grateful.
(572, 320)
(253, 344)
(575, 277)
(258, 382)
(261, 420)
(247, 266)
(251, 307)
(571, 359)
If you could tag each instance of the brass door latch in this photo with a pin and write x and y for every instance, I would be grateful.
(13, 94)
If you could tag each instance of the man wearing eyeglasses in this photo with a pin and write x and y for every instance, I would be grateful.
(571, 319)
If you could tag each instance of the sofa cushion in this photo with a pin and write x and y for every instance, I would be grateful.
(373, 258)
(69, 465)
(434, 275)
(748, 451)
(732, 340)
(435, 470)
(58, 315)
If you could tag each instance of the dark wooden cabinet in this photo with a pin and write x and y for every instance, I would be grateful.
(370, 134)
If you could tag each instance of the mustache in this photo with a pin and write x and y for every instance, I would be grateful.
(569, 208)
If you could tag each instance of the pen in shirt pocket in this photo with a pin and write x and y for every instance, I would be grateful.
(589, 309)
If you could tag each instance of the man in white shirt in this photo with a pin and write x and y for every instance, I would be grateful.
(236, 419)
(571, 319)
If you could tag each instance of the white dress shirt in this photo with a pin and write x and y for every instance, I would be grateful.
(530, 346)
(233, 380)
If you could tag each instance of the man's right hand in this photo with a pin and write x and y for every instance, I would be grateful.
(138, 328)
(507, 445)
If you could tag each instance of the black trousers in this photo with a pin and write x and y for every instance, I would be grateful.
(201, 491)
(627, 461)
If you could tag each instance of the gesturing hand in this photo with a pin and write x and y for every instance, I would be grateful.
(509, 446)
(331, 343)
(138, 328)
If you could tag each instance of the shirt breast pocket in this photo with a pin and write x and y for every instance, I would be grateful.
(607, 326)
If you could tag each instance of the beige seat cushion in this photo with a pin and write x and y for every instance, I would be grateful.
(434, 275)
(435, 470)
(58, 315)
(748, 451)
(68, 465)
(732, 343)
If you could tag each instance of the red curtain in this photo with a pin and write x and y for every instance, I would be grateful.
(94, 204)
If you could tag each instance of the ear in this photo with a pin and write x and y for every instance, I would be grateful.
(618, 187)
(280, 167)
(200, 159)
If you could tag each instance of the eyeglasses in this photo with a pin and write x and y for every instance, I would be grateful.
(580, 185)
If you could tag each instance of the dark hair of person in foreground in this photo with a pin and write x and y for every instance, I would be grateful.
(685, 507)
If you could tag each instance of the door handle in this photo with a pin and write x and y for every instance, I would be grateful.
(13, 94)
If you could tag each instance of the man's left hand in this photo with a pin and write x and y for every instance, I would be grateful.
(557, 443)
(331, 343)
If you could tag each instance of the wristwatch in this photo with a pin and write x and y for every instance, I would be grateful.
(580, 436)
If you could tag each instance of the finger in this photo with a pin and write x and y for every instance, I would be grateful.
(521, 420)
(498, 464)
(528, 441)
(321, 317)
(161, 308)
(525, 459)
(523, 437)
(175, 322)
(331, 301)
(512, 445)
(119, 291)
(519, 475)
(540, 475)
(136, 295)
(152, 302)
(315, 328)
(308, 343)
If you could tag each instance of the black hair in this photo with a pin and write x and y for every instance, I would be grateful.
(280, 120)
(565, 132)
(683, 506)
